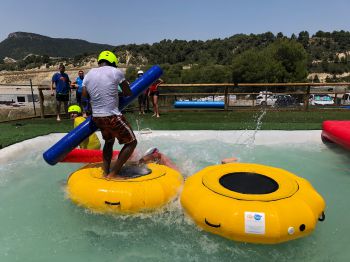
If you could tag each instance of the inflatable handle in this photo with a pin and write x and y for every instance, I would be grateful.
(59, 150)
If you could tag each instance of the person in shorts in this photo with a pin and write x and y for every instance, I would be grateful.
(62, 85)
(154, 93)
(78, 84)
(101, 86)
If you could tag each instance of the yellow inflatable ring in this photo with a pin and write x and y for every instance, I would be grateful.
(252, 203)
(88, 187)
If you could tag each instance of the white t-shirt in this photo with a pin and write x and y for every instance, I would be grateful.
(102, 85)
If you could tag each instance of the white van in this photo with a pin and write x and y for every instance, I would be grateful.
(321, 100)
(345, 100)
(263, 100)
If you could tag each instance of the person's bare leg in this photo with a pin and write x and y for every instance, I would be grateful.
(58, 109)
(65, 103)
(160, 159)
(164, 160)
(107, 155)
(140, 111)
(143, 107)
(147, 103)
(123, 156)
(156, 108)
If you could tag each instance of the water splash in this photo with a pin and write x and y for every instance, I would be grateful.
(258, 124)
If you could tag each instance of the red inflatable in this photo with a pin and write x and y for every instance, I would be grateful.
(85, 156)
(337, 132)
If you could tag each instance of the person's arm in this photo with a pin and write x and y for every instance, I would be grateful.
(125, 86)
(229, 160)
(69, 84)
(52, 93)
(85, 94)
(160, 81)
(164, 160)
(85, 101)
(74, 85)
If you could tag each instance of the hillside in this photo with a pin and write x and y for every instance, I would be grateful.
(242, 58)
(20, 44)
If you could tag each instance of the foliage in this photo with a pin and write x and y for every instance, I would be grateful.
(18, 45)
(282, 61)
(249, 58)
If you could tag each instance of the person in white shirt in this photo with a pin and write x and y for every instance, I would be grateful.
(101, 86)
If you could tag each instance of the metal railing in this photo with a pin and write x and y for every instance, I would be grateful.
(218, 89)
(254, 89)
(16, 95)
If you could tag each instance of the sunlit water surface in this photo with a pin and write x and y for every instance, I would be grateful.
(38, 222)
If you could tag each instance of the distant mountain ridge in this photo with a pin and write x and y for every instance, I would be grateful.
(20, 44)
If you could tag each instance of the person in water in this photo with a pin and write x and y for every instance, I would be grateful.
(92, 142)
(153, 155)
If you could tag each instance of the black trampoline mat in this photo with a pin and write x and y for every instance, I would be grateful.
(248, 183)
(133, 171)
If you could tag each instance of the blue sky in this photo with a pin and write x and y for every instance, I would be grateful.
(135, 21)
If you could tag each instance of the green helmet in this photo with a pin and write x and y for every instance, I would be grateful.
(74, 108)
(109, 57)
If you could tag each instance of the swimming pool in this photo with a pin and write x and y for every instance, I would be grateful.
(40, 224)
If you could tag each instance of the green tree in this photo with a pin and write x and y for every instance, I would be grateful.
(282, 61)
(303, 38)
(293, 58)
(279, 35)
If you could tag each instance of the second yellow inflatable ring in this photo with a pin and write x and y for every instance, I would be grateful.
(252, 203)
(88, 187)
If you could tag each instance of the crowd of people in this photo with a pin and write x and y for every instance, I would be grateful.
(97, 94)
(62, 87)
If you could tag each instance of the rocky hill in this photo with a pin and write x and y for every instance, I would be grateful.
(325, 57)
(18, 45)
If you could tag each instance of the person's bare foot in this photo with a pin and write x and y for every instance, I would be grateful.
(112, 176)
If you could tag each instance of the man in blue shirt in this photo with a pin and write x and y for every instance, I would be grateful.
(62, 84)
(78, 84)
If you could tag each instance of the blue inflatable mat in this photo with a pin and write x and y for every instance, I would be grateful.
(199, 104)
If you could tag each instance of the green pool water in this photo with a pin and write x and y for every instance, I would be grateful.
(38, 222)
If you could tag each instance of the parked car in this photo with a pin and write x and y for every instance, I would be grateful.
(321, 99)
(285, 100)
(262, 100)
(345, 100)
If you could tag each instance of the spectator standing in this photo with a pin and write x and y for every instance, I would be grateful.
(78, 84)
(62, 85)
(142, 98)
(154, 93)
(101, 85)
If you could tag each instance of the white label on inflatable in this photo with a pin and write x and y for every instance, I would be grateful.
(254, 223)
